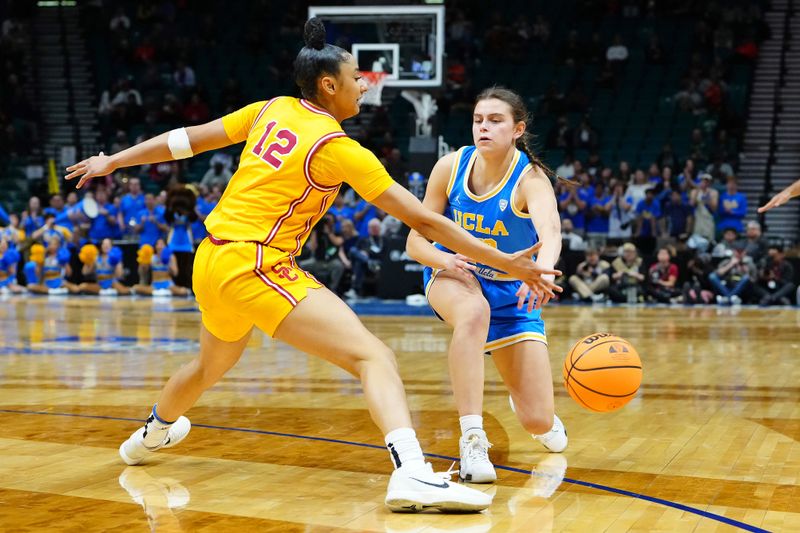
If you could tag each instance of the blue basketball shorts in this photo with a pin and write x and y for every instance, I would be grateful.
(507, 325)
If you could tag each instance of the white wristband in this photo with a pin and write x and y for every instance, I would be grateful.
(179, 145)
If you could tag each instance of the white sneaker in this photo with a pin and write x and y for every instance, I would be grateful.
(133, 450)
(351, 294)
(108, 292)
(420, 489)
(554, 440)
(475, 465)
(162, 293)
(735, 300)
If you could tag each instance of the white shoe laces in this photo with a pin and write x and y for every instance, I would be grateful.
(478, 449)
(447, 476)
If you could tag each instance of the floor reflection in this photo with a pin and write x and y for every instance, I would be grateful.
(159, 497)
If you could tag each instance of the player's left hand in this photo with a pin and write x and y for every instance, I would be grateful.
(97, 165)
(536, 299)
(776, 201)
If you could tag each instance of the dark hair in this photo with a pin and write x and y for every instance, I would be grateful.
(316, 58)
(519, 112)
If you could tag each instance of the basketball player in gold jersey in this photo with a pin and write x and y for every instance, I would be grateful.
(294, 160)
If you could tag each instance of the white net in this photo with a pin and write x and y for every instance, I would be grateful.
(375, 82)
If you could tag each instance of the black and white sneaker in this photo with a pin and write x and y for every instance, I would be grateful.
(411, 491)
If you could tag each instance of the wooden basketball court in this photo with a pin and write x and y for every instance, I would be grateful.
(285, 442)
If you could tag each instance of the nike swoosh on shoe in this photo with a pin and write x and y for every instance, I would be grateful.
(444, 484)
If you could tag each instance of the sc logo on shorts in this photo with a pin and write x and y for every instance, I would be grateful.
(284, 272)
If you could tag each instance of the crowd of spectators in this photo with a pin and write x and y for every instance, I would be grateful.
(656, 237)
(345, 250)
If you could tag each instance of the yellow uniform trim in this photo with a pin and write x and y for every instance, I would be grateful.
(508, 341)
(514, 209)
(430, 281)
(497, 188)
(454, 171)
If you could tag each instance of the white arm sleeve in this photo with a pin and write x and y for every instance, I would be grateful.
(179, 145)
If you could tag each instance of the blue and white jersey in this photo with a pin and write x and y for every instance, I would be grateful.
(491, 217)
(105, 272)
(161, 278)
(53, 272)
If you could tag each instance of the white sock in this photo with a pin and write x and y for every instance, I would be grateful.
(471, 424)
(155, 429)
(404, 448)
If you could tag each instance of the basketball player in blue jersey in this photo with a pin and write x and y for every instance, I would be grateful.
(499, 191)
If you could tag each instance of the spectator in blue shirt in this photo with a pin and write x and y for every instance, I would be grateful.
(363, 212)
(59, 211)
(732, 207)
(150, 223)
(4, 220)
(132, 205)
(648, 214)
(33, 218)
(103, 226)
(206, 202)
(678, 215)
(599, 212)
(654, 175)
(340, 211)
(573, 203)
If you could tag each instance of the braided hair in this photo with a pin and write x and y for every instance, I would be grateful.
(316, 58)
(519, 112)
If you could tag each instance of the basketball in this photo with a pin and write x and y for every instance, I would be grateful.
(602, 372)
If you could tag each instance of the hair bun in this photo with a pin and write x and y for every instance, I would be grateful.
(314, 33)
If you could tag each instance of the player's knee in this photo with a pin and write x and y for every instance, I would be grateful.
(373, 357)
(208, 374)
(475, 318)
(536, 421)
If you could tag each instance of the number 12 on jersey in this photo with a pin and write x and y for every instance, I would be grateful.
(284, 143)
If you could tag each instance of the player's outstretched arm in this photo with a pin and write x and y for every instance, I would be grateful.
(782, 197)
(418, 247)
(176, 144)
(540, 199)
(400, 203)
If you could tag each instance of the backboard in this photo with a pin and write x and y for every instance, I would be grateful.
(407, 42)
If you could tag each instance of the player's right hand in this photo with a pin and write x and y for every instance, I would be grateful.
(97, 165)
(528, 271)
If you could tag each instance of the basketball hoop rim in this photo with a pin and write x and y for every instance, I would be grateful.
(375, 82)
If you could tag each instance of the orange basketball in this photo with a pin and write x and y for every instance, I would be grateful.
(602, 372)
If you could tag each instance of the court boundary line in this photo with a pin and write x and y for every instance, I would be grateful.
(605, 488)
